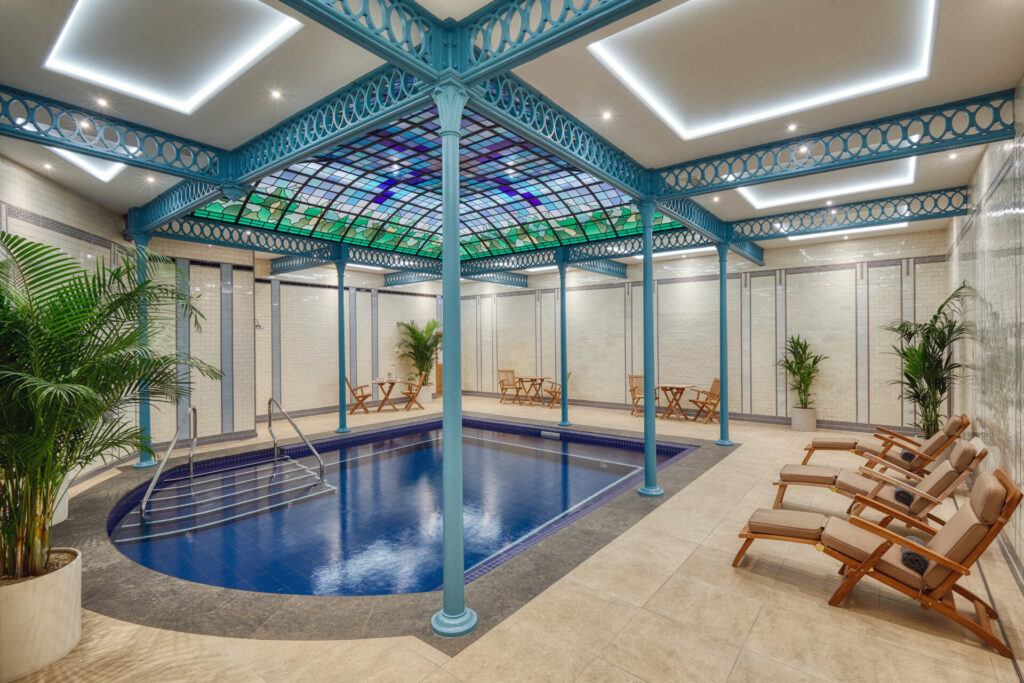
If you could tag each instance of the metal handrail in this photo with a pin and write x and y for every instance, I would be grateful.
(191, 412)
(270, 426)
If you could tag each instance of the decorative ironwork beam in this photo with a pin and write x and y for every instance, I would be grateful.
(612, 268)
(693, 215)
(293, 263)
(503, 35)
(190, 229)
(408, 278)
(401, 33)
(509, 262)
(379, 97)
(507, 279)
(50, 122)
(964, 123)
(909, 207)
(170, 204)
(509, 101)
(748, 250)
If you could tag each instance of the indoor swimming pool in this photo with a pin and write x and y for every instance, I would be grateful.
(373, 526)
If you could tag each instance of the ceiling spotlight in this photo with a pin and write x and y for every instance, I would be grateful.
(715, 198)
(276, 94)
(85, 123)
(833, 212)
(828, 203)
(791, 127)
(101, 102)
(952, 155)
(48, 167)
(606, 115)
(803, 149)
(248, 232)
(150, 179)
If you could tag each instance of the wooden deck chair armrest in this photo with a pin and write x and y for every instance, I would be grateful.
(702, 391)
(905, 542)
(896, 435)
(896, 443)
(361, 386)
(881, 476)
(889, 511)
(885, 463)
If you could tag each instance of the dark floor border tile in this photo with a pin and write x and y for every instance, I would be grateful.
(117, 587)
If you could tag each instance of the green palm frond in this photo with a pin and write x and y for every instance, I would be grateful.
(802, 366)
(419, 345)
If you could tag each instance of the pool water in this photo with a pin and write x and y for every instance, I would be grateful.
(379, 530)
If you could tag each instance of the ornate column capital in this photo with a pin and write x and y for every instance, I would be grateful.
(450, 96)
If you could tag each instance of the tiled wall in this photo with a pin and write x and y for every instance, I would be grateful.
(837, 294)
(986, 252)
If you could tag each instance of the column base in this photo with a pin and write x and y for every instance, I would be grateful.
(342, 430)
(143, 464)
(724, 442)
(565, 423)
(453, 627)
(650, 491)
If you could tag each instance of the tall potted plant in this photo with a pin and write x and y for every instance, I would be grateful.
(418, 345)
(926, 351)
(803, 367)
(74, 362)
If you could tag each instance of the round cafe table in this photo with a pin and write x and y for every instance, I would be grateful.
(386, 387)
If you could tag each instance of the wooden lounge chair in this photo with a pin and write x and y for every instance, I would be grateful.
(872, 550)
(924, 493)
(508, 384)
(895, 449)
(412, 392)
(359, 395)
(636, 393)
(554, 391)
(707, 402)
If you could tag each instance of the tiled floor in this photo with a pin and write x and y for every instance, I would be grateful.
(660, 603)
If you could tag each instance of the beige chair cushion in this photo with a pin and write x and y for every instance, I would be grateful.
(865, 446)
(967, 528)
(962, 455)
(808, 474)
(854, 483)
(936, 484)
(953, 425)
(833, 444)
(793, 523)
(858, 543)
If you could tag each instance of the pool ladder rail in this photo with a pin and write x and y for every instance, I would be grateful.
(185, 502)
(271, 402)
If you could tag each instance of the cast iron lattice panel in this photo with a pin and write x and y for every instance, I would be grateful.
(171, 203)
(55, 123)
(383, 190)
(909, 207)
(958, 124)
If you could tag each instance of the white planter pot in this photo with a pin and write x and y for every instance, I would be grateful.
(804, 419)
(426, 394)
(40, 619)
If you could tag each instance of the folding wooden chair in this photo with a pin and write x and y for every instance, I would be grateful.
(636, 393)
(927, 572)
(707, 402)
(412, 392)
(507, 383)
(890, 449)
(554, 391)
(359, 395)
(915, 495)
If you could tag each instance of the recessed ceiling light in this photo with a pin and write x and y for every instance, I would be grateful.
(70, 55)
(715, 198)
(952, 155)
(540, 269)
(833, 212)
(658, 99)
(101, 102)
(606, 115)
(86, 123)
(791, 127)
(98, 168)
(883, 176)
(851, 231)
(828, 203)
(803, 149)
(48, 167)
(276, 94)
(150, 179)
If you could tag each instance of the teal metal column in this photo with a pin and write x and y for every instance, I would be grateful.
(146, 458)
(563, 346)
(650, 487)
(723, 348)
(339, 264)
(454, 619)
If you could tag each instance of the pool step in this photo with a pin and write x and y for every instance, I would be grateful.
(179, 510)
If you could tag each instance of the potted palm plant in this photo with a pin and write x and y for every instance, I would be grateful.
(803, 367)
(418, 345)
(73, 364)
(926, 350)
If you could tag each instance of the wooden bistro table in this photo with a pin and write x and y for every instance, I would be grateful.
(673, 396)
(531, 387)
(386, 387)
